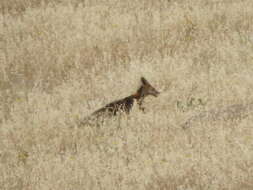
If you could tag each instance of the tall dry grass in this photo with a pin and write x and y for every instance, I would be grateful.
(61, 60)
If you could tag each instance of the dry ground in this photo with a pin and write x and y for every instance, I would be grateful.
(60, 61)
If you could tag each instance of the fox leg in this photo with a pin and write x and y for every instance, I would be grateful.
(140, 105)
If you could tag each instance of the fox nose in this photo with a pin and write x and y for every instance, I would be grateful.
(156, 93)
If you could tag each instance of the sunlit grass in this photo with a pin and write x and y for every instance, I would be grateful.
(62, 60)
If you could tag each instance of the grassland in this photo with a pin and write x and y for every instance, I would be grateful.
(61, 60)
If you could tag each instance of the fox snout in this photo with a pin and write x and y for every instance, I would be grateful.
(152, 91)
(155, 93)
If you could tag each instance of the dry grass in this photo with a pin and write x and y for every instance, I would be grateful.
(60, 61)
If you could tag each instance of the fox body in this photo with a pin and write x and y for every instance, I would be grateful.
(126, 104)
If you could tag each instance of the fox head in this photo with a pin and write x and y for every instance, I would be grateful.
(147, 89)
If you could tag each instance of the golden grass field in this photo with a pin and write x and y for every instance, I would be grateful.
(61, 60)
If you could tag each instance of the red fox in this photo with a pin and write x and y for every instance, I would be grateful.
(125, 104)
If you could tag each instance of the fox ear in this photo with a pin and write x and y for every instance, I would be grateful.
(144, 81)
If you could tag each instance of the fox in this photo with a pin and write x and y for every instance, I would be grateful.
(125, 105)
